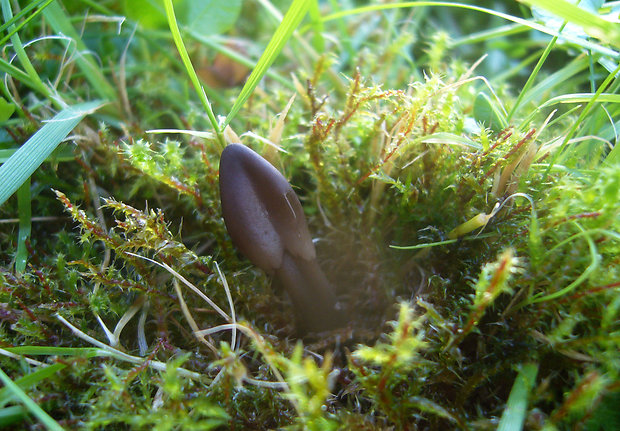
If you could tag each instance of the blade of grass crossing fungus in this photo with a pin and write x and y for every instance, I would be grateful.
(283, 33)
(187, 62)
(15, 171)
(516, 407)
(29, 403)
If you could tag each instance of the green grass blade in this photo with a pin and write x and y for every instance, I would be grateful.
(586, 110)
(11, 415)
(283, 33)
(24, 210)
(318, 42)
(28, 402)
(17, 19)
(87, 352)
(516, 407)
(17, 74)
(425, 245)
(61, 24)
(594, 25)
(7, 14)
(187, 62)
(220, 46)
(595, 260)
(613, 158)
(530, 24)
(534, 74)
(64, 153)
(15, 171)
(583, 98)
(570, 98)
(345, 38)
(29, 380)
(490, 34)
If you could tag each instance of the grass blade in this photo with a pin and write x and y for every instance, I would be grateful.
(17, 73)
(30, 380)
(530, 24)
(7, 14)
(64, 153)
(533, 75)
(11, 415)
(516, 407)
(37, 411)
(24, 211)
(187, 62)
(318, 42)
(586, 110)
(87, 352)
(61, 24)
(29, 156)
(17, 19)
(596, 26)
(285, 30)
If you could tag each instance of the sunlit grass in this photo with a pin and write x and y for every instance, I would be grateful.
(466, 213)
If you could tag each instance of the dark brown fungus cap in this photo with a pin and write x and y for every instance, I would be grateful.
(266, 222)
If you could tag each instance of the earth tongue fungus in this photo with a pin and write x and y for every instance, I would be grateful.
(266, 222)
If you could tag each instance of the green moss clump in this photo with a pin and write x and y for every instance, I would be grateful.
(462, 257)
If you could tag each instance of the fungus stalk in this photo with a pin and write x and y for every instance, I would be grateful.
(266, 222)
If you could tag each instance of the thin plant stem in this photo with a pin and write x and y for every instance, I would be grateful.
(534, 74)
(187, 62)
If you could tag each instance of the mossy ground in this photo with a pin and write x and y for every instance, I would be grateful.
(513, 273)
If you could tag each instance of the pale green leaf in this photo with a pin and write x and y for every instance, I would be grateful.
(15, 171)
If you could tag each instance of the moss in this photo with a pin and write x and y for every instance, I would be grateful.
(507, 264)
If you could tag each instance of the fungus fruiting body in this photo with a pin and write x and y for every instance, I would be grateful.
(266, 222)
